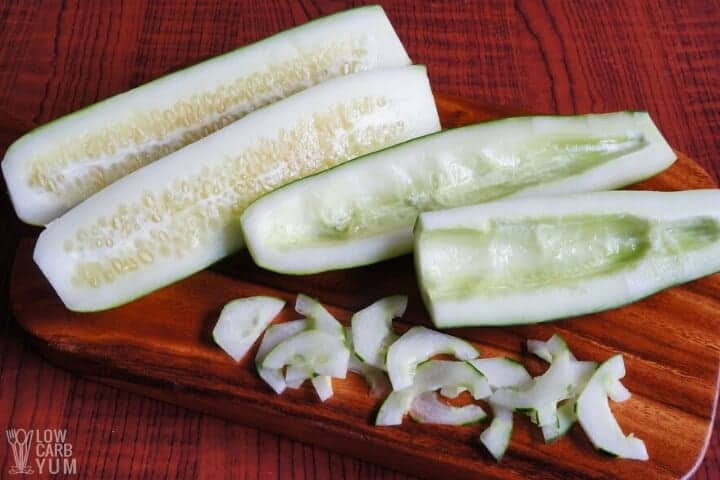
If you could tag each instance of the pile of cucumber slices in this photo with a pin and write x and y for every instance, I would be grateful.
(403, 369)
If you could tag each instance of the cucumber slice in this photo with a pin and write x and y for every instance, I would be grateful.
(502, 372)
(318, 316)
(242, 321)
(427, 408)
(60, 164)
(550, 349)
(319, 351)
(418, 345)
(564, 255)
(596, 418)
(496, 437)
(375, 377)
(566, 418)
(372, 331)
(181, 214)
(323, 387)
(274, 336)
(363, 212)
(296, 374)
(432, 375)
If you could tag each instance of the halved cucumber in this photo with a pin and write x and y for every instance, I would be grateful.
(363, 211)
(60, 164)
(180, 214)
(564, 255)
(418, 345)
(372, 331)
(319, 351)
(274, 336)
(496, 437)
(596, 418)
(242, 321)
(428, 408)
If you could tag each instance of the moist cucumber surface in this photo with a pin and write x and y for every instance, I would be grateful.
(428, 408)
(564, 255)
(372, 331)
(363, 211)
(274, 335)
(180, 214)
(60, 164)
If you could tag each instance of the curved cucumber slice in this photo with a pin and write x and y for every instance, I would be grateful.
(596, 418)
(242, 321)
(323, 387)
(372, 331)
(502, 372)
(566, 418)
(319, 351)
(318, 316)
(417, 345)
(296, 374)
(550, 349)
(274, 336)
(363, 212)
(432, 375)
(496, 437)
(181, 213)
(427, 408)
(375, 377)
(60, 164)
(565, 255)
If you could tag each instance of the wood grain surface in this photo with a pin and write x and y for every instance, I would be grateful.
(542, 56)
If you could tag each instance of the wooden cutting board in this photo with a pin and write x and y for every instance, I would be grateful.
(161, 346)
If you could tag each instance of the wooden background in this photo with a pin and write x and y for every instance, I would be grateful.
(544, 56)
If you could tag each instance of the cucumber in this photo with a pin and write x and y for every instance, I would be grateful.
(318, 317)
(363, 211)
(242, 321)
(319, 351)
(427, 408)
(296, 374)
(56, 166)
(274, 336)
(181, 214)
(564, 255)
(496, 437)
(596, 418)
(417, 345)
(502, 372)
(548, 350)
(372, 331)
(375, 377)
(323, 387)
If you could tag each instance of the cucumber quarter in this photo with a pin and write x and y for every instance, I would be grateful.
(180, 214)
(56, 166)
(363, 211)
(536, 259)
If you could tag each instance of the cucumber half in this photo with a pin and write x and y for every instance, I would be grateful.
(60, 164)
(242, 321)
(274, 336)
(363, 211)
(564, 256)
(372, 331)
(181, 214)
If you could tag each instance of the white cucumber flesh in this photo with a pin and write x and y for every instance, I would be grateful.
(181, 213)
(417, 345)
(548, 350)
(296, 374)
(60, 164)
(323, 387)
(496, 438)
(275, 335)
(596, 418)
(564, 255)
(566, 418)
(502, 372)
(375, 377)
(318, 316)
(372, 331)
(363, 211)
(428, 408)
(319, 351)
(242, 321)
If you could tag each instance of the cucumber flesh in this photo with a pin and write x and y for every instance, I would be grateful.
(566, 418)
(181, 213)
(296, 374)
(496, 437)
(242, 321)
(372, 331)
(502, 372)
(548, 350)
(318, 316)
(375, 377)
(319, 351)
(363, 211)
(417, 345)
(275, 335)
(596, 418)
(565, 255)
(428, 408)
(58, 165)
(323, 387)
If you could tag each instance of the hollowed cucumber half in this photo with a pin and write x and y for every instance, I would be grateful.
(56, 166)
(532, 260)
(181, 213)
(363, 211)
(372, 331)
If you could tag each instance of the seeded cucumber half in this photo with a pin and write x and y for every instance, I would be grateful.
(56, 166)
(180, 214)
(536, 259)
(363, 211)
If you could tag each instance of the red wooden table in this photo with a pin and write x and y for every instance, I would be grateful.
(544, 56)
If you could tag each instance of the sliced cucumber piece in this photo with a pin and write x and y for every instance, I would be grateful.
(274, 336)
(372, 331)
(318, 316)
(319, 351)
(431, 376)
(296, 374)
(181, 214)
(363, 212)
(596, 418)
(376, 378)
(428, 408)
(564, 255)
(242, 321)
(496, 437)
(323, 387)
(502, 372)
(60, 164)
(566, 418)
(417, 345)
(548, 350)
